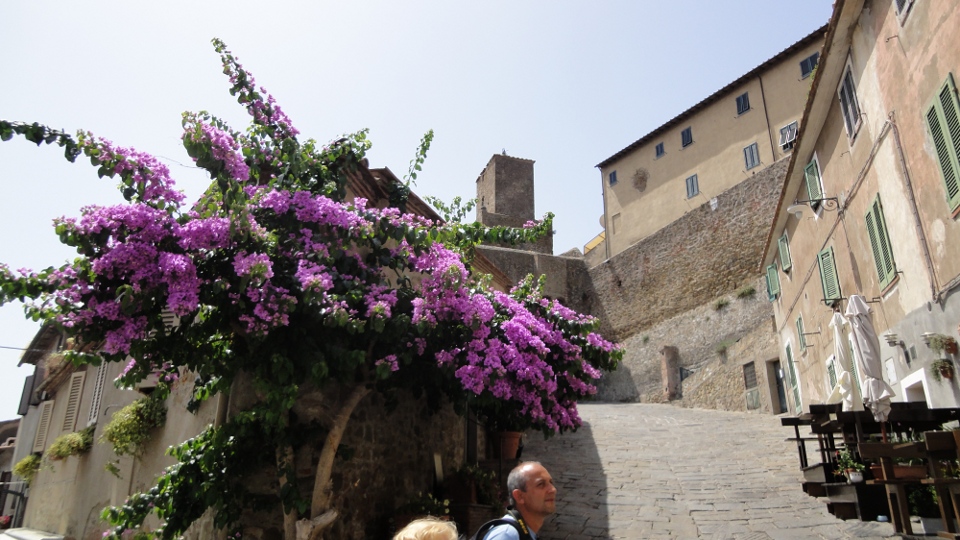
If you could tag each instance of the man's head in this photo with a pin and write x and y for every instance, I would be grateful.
(532, 491)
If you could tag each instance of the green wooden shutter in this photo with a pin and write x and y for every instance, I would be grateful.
(943, 119)
(773, 283)
(828, 275)
(801, 339)
(784, 247)
(812, 174)
(794, 384)
(880, 244)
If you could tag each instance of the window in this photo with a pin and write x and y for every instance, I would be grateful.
(903, 8)
(828, 276)
(783, 246)
(788, 134)
(943, 120)
(808, 64)
(880, 244)
(686, 137)
(74, 393)
(832, 372)
(751, 156)
(801, 339)
(693, 187)
(814, 183)
(743, 103)
(749, 376)
(848, 102)
(660, 151)
(613, 178)
(773, 283)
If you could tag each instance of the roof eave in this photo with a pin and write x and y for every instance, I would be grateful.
(829, 70)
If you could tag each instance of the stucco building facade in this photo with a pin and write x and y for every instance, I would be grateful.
(702, 152)
(876, 158)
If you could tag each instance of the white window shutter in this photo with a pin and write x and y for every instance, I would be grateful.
(46, 411)
(97, 396)
(75, 392)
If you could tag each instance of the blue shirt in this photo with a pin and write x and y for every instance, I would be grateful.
(506, 532)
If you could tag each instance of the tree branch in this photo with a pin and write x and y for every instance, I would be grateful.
(322, 493)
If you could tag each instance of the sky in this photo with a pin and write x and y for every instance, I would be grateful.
(566, 84)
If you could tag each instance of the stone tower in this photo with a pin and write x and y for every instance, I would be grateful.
(505, 191)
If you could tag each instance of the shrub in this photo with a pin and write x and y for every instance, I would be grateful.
(746, 292)
(720, 304)
(71, 444)
(722, 347)
(27, 467)
(130, 427)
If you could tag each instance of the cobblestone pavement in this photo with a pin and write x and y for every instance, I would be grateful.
(650, 471)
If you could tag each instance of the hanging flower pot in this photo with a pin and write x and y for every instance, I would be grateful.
(942, 369)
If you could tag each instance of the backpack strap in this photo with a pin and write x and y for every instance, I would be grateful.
(518, 525)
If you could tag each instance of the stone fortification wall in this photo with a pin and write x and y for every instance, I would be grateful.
(712, 344)
(543, 245)
(709, 252)
(567, 278)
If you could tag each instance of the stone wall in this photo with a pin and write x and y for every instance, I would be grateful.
(711, 251)
(386, 457)
(567, 278)
(741, 329)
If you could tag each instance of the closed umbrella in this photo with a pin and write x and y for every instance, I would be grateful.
(866, 349)
(843, 390)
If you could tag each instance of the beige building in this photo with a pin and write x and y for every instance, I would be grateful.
(873, 192)
(728, 137)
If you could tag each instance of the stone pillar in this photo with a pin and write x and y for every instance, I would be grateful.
(670, 372)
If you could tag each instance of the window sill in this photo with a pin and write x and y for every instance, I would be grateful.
(890, 286)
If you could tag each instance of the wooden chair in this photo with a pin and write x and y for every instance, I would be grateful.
(942, 446)
(884, 454)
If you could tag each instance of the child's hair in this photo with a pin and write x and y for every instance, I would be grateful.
(428, 528)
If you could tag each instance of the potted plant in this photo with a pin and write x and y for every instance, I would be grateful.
(942, 369)
(28, 467)
(71, 444)
(923, 504)
(472, 484)
(420, 505)
(940, 343)
(850, 467)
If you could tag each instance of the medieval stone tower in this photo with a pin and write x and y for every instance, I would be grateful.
(505, 191)
(505, 197)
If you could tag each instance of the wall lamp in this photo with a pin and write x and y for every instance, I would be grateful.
(893, 339)
(797, 208)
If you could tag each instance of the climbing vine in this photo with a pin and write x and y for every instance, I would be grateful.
(278, 274)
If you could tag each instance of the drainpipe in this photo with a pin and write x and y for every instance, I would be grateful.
(916, 212)
(763, 99)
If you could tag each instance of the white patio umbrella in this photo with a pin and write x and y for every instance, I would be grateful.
(866, 349)
(843, 390)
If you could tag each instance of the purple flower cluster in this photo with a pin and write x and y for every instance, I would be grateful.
(223, 146)
(265, 113)
(141, 168)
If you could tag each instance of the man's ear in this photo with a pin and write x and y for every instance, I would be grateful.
(517, 496)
